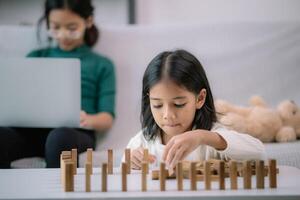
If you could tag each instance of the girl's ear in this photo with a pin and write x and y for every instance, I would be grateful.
(89, 22)
(200, 99)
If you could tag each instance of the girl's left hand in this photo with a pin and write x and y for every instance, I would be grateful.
(84, 119)
(180, 146)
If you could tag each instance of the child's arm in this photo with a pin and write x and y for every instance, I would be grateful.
(99, 122)
(234, 145)
(182, 145)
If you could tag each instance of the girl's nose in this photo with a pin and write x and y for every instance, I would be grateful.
(168, 113)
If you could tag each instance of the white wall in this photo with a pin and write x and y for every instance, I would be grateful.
(206, 11)
(27, 12)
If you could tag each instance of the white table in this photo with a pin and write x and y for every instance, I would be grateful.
(45, 184)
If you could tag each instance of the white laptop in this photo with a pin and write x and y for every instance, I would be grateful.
(40, 92)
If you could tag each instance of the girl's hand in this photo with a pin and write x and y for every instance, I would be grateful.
(84, 120)
(137, 158)
(180, 146)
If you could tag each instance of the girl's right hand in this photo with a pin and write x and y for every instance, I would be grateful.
(137, 158)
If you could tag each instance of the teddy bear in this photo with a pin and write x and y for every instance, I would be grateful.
(260, 121)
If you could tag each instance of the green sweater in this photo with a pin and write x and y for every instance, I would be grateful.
(97, 77)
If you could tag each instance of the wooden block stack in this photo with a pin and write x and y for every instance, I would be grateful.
(68, 165)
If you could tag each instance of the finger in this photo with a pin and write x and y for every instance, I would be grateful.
(177, 157)
(151, 158)
(139, 154)
(135, 161)
(134, 166)
(172, 153)
(140, 150)
(167, 148)
(83, 124)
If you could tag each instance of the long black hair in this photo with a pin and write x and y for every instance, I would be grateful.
(83, 8)
(186, 71)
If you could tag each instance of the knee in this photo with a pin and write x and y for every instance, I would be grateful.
(60, 139)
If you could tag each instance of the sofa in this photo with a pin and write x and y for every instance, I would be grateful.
(241, 59)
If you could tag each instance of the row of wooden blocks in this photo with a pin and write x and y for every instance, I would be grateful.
(246, 172)
(69, 166)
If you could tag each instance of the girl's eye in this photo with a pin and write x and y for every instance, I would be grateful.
(180, 105)
(157, 106)
(72, 29)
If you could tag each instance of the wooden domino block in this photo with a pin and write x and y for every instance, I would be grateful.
(128, 160)
(233, 174)
(179, 176)
(259, 171)
(89, 157)
(221, 172)
(124, 177)
(110, 161)
(62, 166)
(88, 167)
(207, 175)
(64, 157)
(162, 176)
(193, 179)
(144, 176)
(247, 173)
(272, 174)
(66, 154)
(104, 177)
(146, 159)
(74, 159)
(68, 176)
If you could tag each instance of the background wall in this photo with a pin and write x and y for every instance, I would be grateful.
(27, 12)
(207, 11)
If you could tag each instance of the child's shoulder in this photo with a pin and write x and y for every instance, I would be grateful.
(102, 59)
(43, 52)
(139, 140)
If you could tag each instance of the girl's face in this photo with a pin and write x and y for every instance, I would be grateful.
(174, 107)
(67, 28)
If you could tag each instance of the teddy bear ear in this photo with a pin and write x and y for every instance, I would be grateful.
(287, 109)
(257, 100)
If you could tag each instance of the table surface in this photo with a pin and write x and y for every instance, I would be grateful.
(45, 184)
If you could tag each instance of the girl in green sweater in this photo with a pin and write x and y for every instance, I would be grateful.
(70, 24)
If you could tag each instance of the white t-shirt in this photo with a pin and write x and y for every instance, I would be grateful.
(239, 147)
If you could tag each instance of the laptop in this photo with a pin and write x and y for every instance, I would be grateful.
(40, 92)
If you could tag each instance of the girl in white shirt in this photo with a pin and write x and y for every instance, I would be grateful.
(178, 117)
